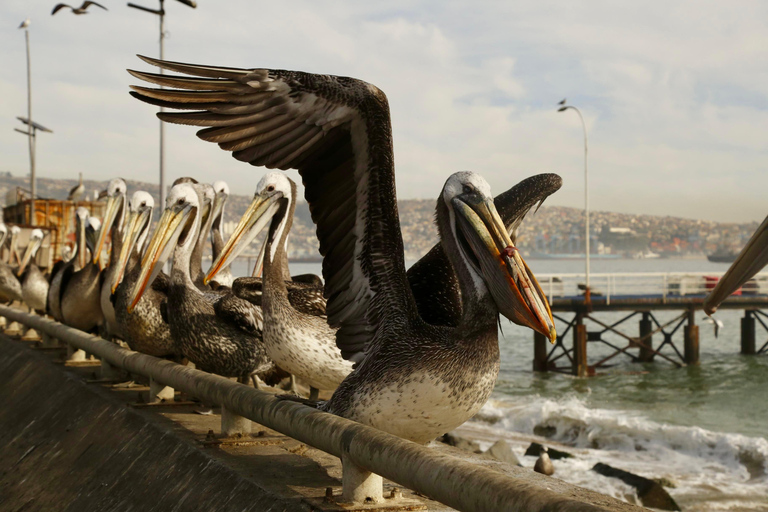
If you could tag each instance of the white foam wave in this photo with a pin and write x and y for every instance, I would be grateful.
(706, 466)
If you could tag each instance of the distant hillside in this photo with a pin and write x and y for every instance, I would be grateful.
(553, 229)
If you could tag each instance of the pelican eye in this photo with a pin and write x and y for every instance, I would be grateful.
(271, 188)
(468, 189)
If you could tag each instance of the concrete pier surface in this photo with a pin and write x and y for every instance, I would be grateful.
(73, 442)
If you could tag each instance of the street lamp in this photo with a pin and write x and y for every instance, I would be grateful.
(563, 108)
(161, 13)
(30, 125)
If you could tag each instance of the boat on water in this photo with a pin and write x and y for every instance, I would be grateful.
(723, 256)
(570, 256)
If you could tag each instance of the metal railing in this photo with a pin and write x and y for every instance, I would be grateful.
(661, 284)
(363, 450)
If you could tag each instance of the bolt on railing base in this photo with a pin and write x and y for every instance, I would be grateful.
(159, 392)
(233, 424)
(359, 485)
(75, 354)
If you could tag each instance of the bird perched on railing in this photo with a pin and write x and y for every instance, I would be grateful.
(77, 193)
(83, 9)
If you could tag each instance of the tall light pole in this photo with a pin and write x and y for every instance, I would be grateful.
(563, 108)
(30, 127)
(161, 13)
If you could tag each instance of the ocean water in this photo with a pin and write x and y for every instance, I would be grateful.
(703, 428)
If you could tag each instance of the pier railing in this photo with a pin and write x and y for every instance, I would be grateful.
(363, 450)
(657, 284)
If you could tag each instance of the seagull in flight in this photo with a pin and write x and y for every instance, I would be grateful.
(717, 324)
(83, 9)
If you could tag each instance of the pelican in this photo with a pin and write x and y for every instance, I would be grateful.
(114, 220)
(83, 9)
(222, 337)
(60, 278)
(77, 193)
(206, 197)
(752, 258)
(34, 285)
(224, 276)
(412, 379)
(81, 289)
(10, 287)
(143, 328)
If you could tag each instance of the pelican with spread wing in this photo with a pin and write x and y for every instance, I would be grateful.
(412, 379)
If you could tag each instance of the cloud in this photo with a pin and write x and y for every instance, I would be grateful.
(673, 94)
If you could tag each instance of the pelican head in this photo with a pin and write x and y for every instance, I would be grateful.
(273, 190)
(35, 241)
(176, 228)
(752, 258)
(221, 189)
(137, 228)
(116, 191)
(490, 254)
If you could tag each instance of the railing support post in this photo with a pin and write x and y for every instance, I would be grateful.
(646, 328)
(359, 485)
(109, 372)
(232, 424)
(748, 334)
(691, 339)
(13, 329)
(48, 341)
(580, 347)
(539, 352)
(159, 392)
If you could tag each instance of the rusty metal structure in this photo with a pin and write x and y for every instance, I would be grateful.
(56, 218)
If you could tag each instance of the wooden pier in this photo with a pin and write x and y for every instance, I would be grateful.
(640, 296)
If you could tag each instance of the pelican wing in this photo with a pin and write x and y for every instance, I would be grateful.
(240, 313)
(336, 131)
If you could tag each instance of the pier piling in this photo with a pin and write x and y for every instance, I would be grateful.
(748, 333)
(646, 328)
(539, 352)
(691, 333)
(580, 368)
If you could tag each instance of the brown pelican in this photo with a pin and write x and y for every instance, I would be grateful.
(83, 9)
(114, 220)
(60, 278)
(143, 328)
(81, 290)
(412, 379)
(77, 193)
(34, 285)
(10, 287)
(752, 258)
(224, 276)
(296, 335)
(206, 197)
(222, 337)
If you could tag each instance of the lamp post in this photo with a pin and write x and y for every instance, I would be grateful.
(30, 126)
(161, 13)
(563, 108)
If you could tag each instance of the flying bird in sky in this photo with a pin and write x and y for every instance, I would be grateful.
(83, 9)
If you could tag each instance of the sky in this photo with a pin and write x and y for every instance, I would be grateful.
(674, 94)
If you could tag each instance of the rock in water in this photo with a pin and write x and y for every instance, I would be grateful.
(651, 494)
(503, 452)
(543, 464)
(461, 443)
(535, 449)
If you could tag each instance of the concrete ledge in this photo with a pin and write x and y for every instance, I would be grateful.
(65, 447)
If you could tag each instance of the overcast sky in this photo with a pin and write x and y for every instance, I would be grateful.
(674, 94)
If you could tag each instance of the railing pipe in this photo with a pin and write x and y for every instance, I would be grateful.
(454, 482)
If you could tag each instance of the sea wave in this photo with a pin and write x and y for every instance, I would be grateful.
(706, 466)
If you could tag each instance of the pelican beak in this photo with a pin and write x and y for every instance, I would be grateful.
(513, 286)
(255, 219)
(82, 246)
(113, 205)
(749, 262)
(258, 268)
(31, 247)
(218, 204)
(176, 223)
(136, 223)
